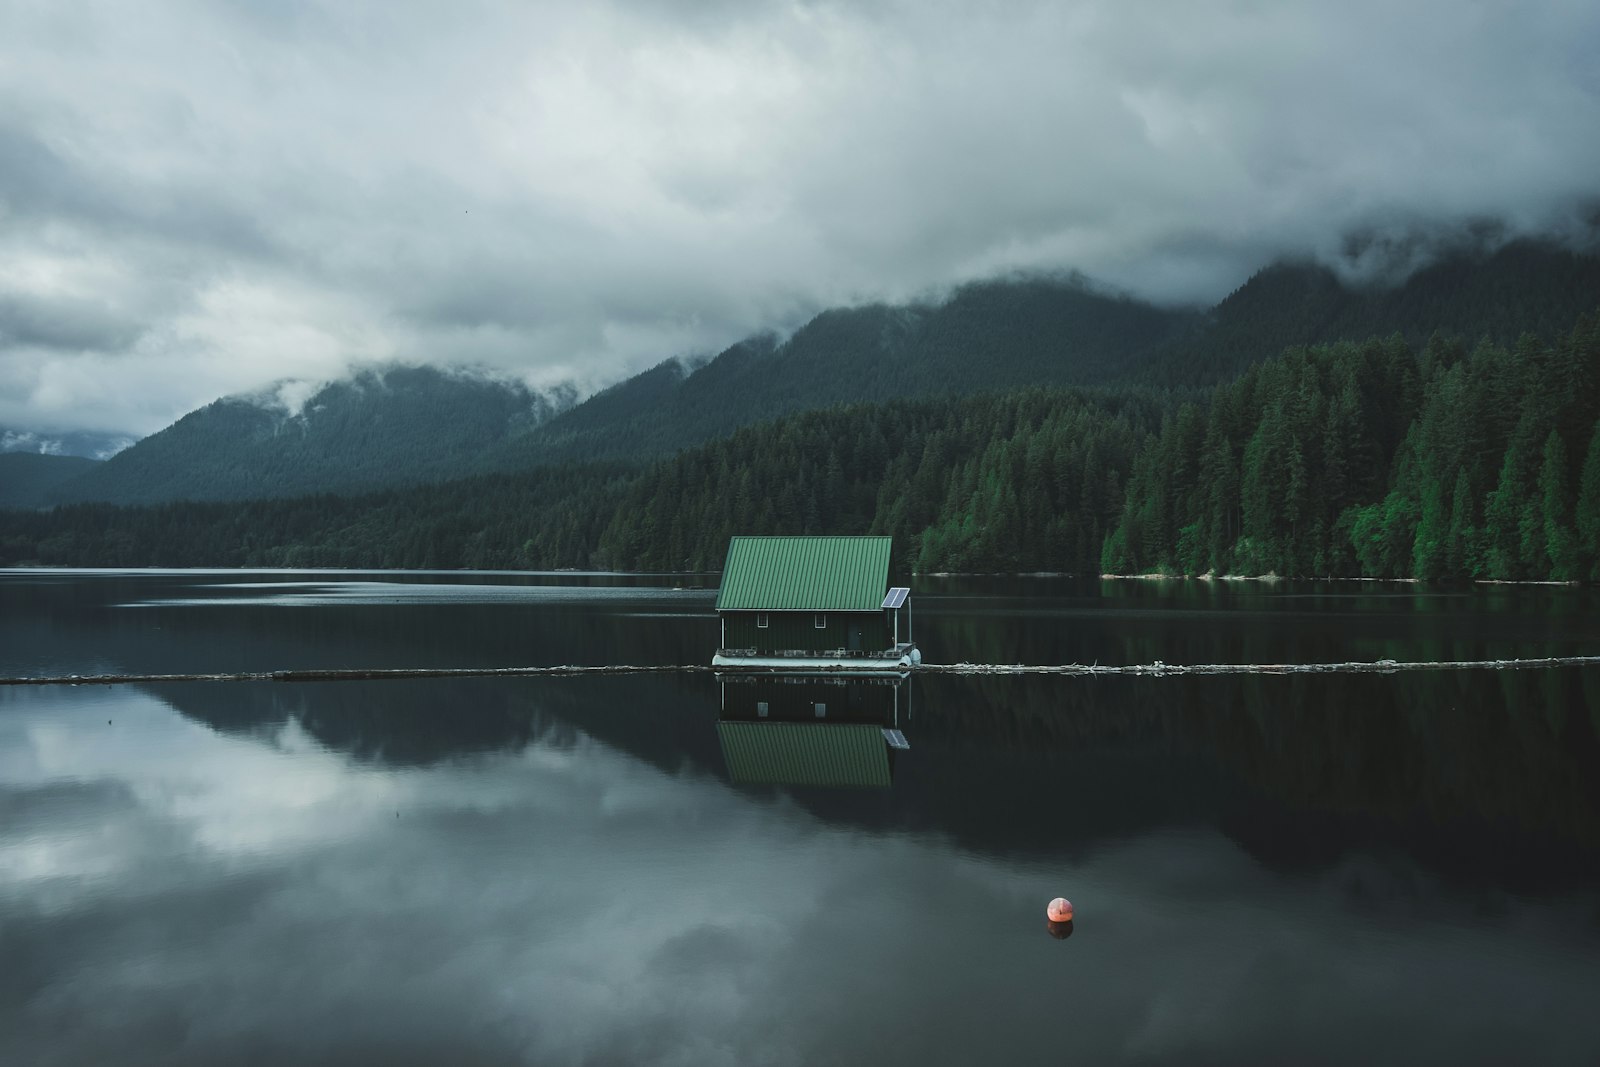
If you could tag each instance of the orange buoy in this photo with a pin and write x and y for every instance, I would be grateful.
(1060, 910)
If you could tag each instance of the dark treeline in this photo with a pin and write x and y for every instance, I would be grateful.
(1029, 479)
(1374, 460)
(987, 482)
(28, 478)
(483, 522)
(1353, 459)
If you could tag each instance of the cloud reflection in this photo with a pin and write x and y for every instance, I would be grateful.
(169, 894)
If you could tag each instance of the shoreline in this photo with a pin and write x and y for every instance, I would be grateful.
(1154, 576)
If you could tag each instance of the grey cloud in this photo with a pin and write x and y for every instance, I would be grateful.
(72, 443)
(67, 324)
(36, 179)
(581, 190)
(41, 186)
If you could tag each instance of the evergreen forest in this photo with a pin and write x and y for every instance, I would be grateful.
(1384, 458)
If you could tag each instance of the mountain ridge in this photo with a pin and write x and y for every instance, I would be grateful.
(985, 337)
(992, 335)
(387, 426)
(1521, 287)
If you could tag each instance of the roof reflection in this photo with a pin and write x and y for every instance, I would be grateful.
(812, 730)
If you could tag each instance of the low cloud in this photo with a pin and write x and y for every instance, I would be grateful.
(204, 198)
(63, 324)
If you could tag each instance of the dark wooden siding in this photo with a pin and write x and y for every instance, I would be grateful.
(795, 631)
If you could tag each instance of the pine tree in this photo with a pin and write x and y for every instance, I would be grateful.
(1500, 516)
(1430, 553)
(1258, 492)
(1460, 551)
(1587, 517)
(1560, 544)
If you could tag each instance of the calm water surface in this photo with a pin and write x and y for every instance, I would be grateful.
(1329, 869)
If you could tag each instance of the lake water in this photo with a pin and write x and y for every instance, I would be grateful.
(1330, 869)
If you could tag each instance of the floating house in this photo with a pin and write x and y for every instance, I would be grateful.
(806, 602)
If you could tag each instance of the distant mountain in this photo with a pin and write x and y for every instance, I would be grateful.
(381, 427)
(30, 479)
(85, 443)
(1523, 287)
(405, 426)
(991, 336)
(1005, 334)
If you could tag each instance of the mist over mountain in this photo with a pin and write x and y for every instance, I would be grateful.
(84, 443)
(1473, 294)
(381, 427)
(403, 426)
(1039, 331)
(995, 335)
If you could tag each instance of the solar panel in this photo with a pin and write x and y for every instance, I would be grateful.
(896, 598)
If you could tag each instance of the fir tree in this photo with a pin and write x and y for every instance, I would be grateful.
(1461, 557)
(1587, 517)
(1500, 521)
(1560, 541)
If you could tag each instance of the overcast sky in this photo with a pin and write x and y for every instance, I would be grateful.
(199, 198)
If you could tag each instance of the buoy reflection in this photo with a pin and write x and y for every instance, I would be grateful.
(1059, 931)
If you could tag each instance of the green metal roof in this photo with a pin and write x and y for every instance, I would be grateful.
(805, 574)
(800, 753)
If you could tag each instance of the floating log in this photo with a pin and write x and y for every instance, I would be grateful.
(1157, 669)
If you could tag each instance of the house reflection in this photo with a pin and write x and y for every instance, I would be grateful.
(819, 730)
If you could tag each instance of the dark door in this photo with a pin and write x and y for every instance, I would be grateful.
(855, 637)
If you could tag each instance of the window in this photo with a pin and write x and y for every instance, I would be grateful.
(820, 622)
(762, 620)
(761, 708)
(821, 710)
